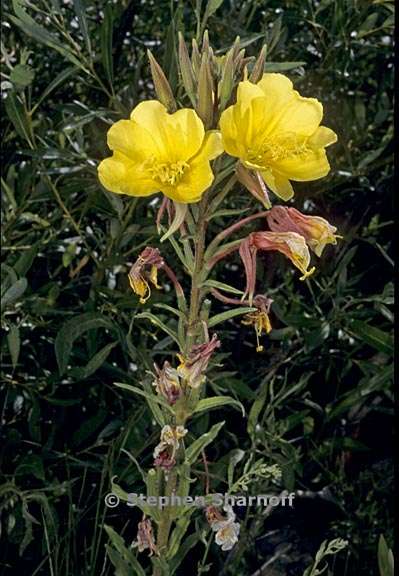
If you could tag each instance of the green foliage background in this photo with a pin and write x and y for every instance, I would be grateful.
(319, 398)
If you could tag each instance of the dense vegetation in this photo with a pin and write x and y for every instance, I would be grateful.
(319, 397)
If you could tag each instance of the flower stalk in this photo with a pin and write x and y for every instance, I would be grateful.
(260, 133)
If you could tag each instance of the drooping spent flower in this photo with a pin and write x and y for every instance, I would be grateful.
(165, 451)
(193, 368)
(145, 537)
(139, 278)
(227, 530)
(316, 230)
(260, 319)
(277, 133)
(167, 382)
(290, 244)
(155, 151)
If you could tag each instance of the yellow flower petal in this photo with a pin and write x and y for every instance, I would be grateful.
(197, 178)
(276, 131)
(132, 140)
(179, 135)
(119, 174)
(247, 91)
(211, 148)
(290, 112)
(199, 175)
(276, 87)
(279, 184)
(304, 167)
(186, 132)
(157, 151)
(229, 129)
(322, 138)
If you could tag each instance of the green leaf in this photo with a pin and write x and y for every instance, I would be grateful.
(40, 34)
(89, 427)
(216, 402)
(95, 363)
(125, 553)
(122, 567)
(222, 286)
(71, 330)
(183, 550)
(236, 456)
(385, 558)
(195, 449)
(80, 11)
(31, 464)
(282, 66)
(14, 292)
(182, 524)
(230, 314)
(14, 344)
(106, 33)
(378, 339)
(210, 9)
(16, 113)
(22, 75)
(58, 80)
(151, 398)
(160, 325)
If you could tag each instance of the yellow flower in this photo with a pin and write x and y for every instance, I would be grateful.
(277, 133)
(156, 151)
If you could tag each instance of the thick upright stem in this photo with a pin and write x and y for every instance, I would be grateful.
(193, 318)
(195, 297)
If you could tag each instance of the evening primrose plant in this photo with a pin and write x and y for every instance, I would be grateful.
(243, 128)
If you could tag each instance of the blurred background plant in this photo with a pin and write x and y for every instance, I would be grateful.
(319, 397)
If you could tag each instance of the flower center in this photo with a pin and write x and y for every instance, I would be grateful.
(273, 149)
(168, 172)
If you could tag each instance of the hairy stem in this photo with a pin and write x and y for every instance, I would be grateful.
(193, 322)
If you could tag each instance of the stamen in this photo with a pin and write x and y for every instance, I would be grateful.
(167, 172)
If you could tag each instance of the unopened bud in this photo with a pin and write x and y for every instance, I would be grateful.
(162, 86)
(238, 63)
(195, 58)
(186, 69)
(205, 93)
(227, 81)
(236, 47)
(205, 42)
(259, 66)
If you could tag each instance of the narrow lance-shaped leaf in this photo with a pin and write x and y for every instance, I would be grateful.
(80, 11)
(106, 35)
(223, 316)
(195, 449)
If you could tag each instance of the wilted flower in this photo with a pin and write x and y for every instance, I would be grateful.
(227, 530)
(165, 451)
(156, 151)
(290, 244)
(145, 537)
(316, 230)
(150, 257)
(259, 319)
(193, 368)
(277, 133)
(167, 382)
